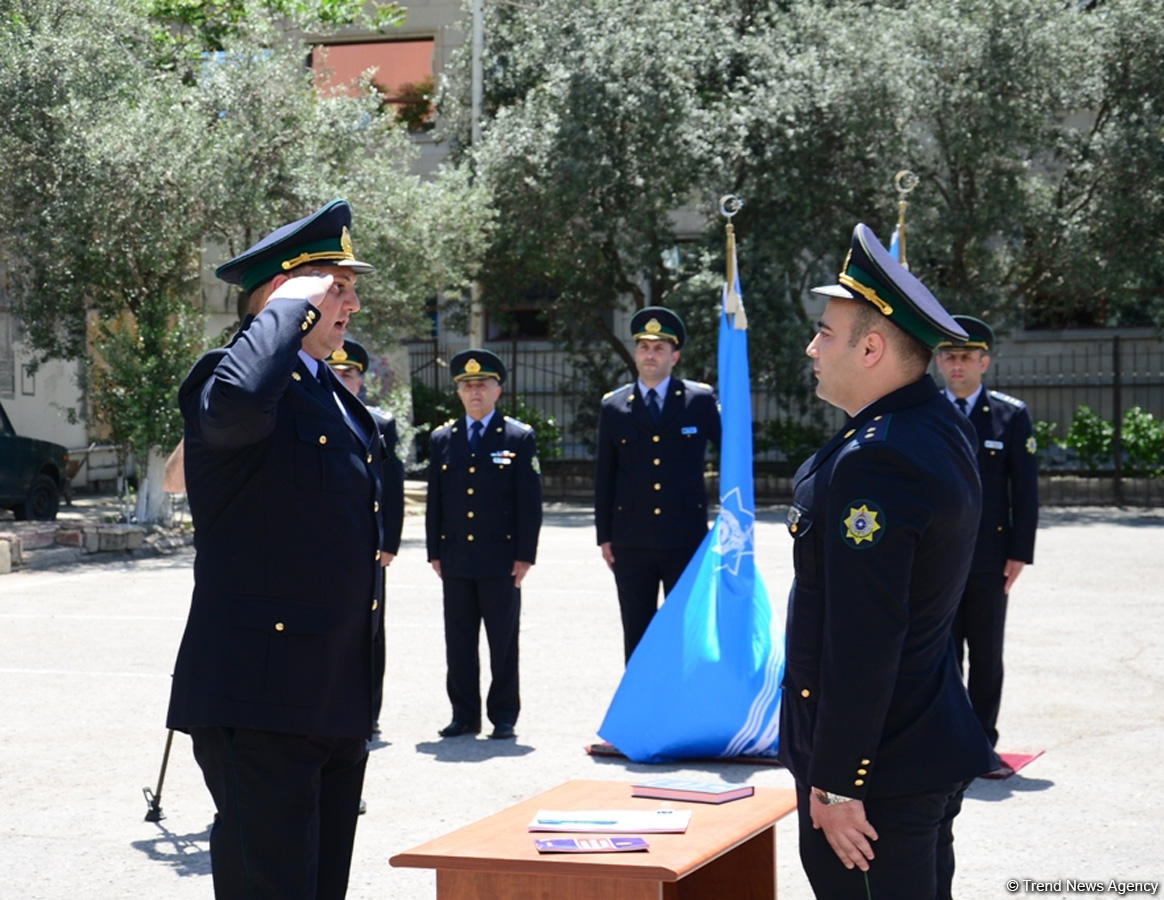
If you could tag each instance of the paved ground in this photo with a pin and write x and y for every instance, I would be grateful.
(86, 650)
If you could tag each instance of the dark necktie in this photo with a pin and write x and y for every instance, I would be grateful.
(653, 405)
(475, 435)
(960, 402)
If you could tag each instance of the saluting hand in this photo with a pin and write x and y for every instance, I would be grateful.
(846, 829)
(312, 288)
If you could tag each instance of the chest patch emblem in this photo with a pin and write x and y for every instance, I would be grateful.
(864, 524)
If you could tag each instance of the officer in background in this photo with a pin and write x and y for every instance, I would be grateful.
(284, 473)
(350, 364)
(650, 500)
(875, 725)
(1010, 514)
(482, 519)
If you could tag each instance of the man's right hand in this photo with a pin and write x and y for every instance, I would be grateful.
(607, 554)
(312, 288)
(436, 567)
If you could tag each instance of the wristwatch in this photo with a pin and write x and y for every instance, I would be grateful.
(828, 798)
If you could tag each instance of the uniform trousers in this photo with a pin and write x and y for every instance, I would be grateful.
(637, 575)
(978, 632)
(913, 853)
(286, 811)
(467, 603)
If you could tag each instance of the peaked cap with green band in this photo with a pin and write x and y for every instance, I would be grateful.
(979, 335)
(477, 363)
(320, 237)
(870, 273)
(657, 323)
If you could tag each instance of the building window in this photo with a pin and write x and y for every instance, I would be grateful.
(401, 71)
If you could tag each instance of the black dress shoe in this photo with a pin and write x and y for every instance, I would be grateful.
(502, 732)
(455, 728)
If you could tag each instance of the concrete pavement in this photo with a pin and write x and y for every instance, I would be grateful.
(86, 651)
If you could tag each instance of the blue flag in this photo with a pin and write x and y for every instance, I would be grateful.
(895, 243)
(704, 681)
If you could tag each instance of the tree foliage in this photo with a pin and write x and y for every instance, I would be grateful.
(128, 164)
(1035, 126)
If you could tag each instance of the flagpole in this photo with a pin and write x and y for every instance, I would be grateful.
(904, 181)
(729, 205)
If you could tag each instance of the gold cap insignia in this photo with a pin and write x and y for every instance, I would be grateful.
(339, 355)
(346, 244)
(472, 367)
(653, 327)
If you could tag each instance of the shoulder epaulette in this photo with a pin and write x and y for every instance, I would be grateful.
(512, 421)
(622, 387)
(1007, 398)
(876, 429)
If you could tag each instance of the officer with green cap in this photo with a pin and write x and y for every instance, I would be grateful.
(650, 501)
(350, 364)
(284, 473)
(482, 519)
(875, 725)
(1004, 438)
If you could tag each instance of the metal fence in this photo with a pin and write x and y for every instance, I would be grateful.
(1055, 375)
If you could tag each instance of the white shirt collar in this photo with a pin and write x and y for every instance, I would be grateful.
(970, 401)
(311, 362)
(660, 389)
(469, 420)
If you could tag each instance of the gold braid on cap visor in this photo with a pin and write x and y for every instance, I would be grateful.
(867, 292)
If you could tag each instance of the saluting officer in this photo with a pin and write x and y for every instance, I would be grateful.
(1010, 514)
(650, 500)
(350, 363)
(875, 725)
(482, 519)
(284, 472)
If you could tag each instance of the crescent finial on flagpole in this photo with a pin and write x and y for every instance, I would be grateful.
(729, 205)
(904, 181)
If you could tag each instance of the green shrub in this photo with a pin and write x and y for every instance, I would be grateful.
(1142, 437)
(1090, 437)
(1045, 435)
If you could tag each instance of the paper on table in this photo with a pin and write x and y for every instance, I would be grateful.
(611, 821)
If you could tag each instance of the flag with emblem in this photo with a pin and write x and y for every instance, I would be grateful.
(704, 681)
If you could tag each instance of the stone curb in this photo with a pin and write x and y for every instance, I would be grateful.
(46, 545)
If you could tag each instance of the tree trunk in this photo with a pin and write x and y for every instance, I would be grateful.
(153, 503)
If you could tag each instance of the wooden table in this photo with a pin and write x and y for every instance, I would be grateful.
(728, 850)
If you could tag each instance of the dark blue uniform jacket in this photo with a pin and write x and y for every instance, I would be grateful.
(1010, 481)
(393, 490)
(883, 521)
(649, 490)
(484, 510)
(288, 524)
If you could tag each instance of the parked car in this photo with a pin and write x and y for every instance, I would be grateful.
(32, 473)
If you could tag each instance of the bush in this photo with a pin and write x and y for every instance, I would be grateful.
(1090, 437)
(1045, 435)
(1142, 438)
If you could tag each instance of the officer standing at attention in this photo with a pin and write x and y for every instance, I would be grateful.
(284, 473)
(875, 725)
(1010, 514)
(482, 519)
(350, 363)
(650, 500)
